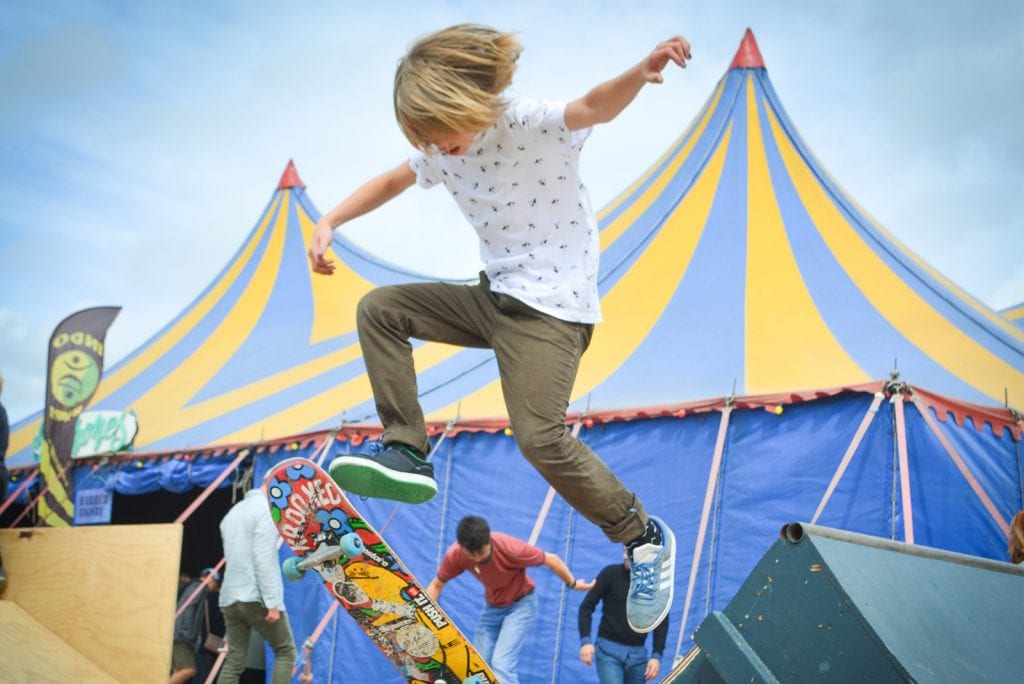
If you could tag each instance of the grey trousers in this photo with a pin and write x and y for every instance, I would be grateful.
(239, 620)
(538, 357)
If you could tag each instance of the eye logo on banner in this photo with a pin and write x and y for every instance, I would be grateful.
(75, 366)
(75, 376)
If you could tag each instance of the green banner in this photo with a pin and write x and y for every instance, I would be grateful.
(75, 366)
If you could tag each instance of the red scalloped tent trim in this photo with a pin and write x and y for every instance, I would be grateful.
(997, 418)
(768, 402)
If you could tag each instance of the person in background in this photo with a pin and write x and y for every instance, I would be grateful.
(188, 626)
(620, 653)
(5, 435)
(1016, 547)
(499, 562)
(252, 596)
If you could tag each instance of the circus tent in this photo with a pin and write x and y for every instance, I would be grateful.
(738, 258)
(736, 264)
(743, 378)
(1015, 314)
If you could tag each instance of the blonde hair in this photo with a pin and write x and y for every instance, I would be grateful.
(452, 81)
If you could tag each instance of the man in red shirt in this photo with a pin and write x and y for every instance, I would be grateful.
(499, 561)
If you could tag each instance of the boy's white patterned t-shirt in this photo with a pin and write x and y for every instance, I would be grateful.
(518, 185)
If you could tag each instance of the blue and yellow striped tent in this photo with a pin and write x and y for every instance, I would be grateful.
(734, 265)
(738, 258)
(1015, 314)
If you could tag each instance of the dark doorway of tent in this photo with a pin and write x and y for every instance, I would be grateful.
(201, 548)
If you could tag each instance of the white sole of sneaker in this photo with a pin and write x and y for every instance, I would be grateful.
(365, 477)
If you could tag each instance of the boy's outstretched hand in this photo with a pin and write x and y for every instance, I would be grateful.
(322, 236)
(676, 49)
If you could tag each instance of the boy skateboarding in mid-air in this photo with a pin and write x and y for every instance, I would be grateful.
(512, 166)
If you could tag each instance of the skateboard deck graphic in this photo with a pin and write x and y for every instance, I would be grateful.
(328, 535)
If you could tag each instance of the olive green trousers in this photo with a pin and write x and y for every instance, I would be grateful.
(538, 356)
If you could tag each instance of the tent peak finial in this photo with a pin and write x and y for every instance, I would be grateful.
(748, 56)
(290, 178)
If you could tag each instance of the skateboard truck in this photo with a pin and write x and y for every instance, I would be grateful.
(349, 545)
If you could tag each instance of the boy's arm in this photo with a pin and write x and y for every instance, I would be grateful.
(366, 198)
(606, 101)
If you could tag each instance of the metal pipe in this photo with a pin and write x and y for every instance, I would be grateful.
(795, 532)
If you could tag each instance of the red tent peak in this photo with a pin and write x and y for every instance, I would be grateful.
(748, 56)
(290, 178)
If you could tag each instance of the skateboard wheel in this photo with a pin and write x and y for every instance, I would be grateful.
(291, 569)
(352, 545)
(475, 679)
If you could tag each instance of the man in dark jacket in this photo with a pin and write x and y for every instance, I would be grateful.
(5, 433)
(620, 653)
(188, 626)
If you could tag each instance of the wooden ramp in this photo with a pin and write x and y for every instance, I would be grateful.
(31, 653)
(104, 594)
(826, 605)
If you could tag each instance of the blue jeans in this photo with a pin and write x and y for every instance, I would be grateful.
(501, 633)
(619, 664)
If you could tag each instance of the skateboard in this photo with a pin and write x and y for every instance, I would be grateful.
(328, 535)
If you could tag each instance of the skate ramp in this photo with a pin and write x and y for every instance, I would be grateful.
(89, 596)
(826, 605)
(31, 653)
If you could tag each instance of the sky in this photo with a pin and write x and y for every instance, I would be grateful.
(140, 142)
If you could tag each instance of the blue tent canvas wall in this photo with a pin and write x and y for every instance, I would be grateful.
(738, 209)
(726, 474)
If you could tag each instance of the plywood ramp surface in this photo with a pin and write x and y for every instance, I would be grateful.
(108, 592)
(31, 653)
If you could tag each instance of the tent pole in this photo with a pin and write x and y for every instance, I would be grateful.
(1020, 472)
(447, 486)
(195, 592)
(39, 496)
(848, 456)
(563, 596)
(958, 461)
(709, 494)
(212, 486)
(10, 499)
(904, 461)
(321, 454)
(306, 652)
(215, 670)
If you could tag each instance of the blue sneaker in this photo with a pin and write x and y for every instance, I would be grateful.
(397, 472)
(651, 581)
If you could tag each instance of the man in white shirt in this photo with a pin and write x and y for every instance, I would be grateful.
(252, 595)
